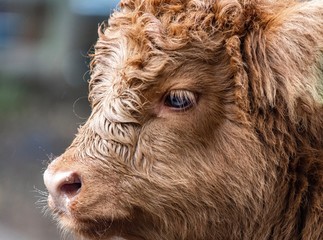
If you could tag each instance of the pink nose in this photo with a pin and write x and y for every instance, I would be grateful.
(62, 187)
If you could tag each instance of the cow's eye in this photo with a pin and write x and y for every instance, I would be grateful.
(180, 100)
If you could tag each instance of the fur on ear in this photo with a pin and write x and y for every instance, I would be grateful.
(290, 44)
(295, 49)
(282, 48)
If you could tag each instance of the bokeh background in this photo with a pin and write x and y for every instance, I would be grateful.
(43, 98)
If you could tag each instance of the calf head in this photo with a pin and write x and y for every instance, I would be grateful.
(174, 148)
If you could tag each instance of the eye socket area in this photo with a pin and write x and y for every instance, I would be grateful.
(180, 100)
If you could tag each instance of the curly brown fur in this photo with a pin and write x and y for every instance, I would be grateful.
(244, 162)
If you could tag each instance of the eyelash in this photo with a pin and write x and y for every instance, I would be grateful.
(180, 100)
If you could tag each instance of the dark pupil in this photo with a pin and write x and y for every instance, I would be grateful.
(177, 101)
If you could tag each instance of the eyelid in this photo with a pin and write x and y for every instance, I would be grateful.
(183, 94)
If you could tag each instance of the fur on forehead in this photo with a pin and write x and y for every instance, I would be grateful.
(141, 37)
(140, 40)
(144, 39)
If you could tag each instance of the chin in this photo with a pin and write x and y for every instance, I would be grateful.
(99, 228)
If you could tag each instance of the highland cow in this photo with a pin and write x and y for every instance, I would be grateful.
(206, 123)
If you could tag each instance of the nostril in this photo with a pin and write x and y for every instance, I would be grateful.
(62, 184)
(71, 186)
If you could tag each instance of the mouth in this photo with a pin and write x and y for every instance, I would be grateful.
(58, 209)
(61, 214)
(89, 227)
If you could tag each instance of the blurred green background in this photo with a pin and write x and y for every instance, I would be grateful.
(43, 98)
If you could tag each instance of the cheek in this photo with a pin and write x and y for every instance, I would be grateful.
(187, 163)
(169, 143)
(204, 145)
(159, 138)
(174, 135)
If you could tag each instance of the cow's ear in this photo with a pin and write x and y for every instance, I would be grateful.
(294, 42)
(283, 51)
(295, 35)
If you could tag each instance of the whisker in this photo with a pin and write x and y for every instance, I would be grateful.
(41, 201)
(42, 193)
